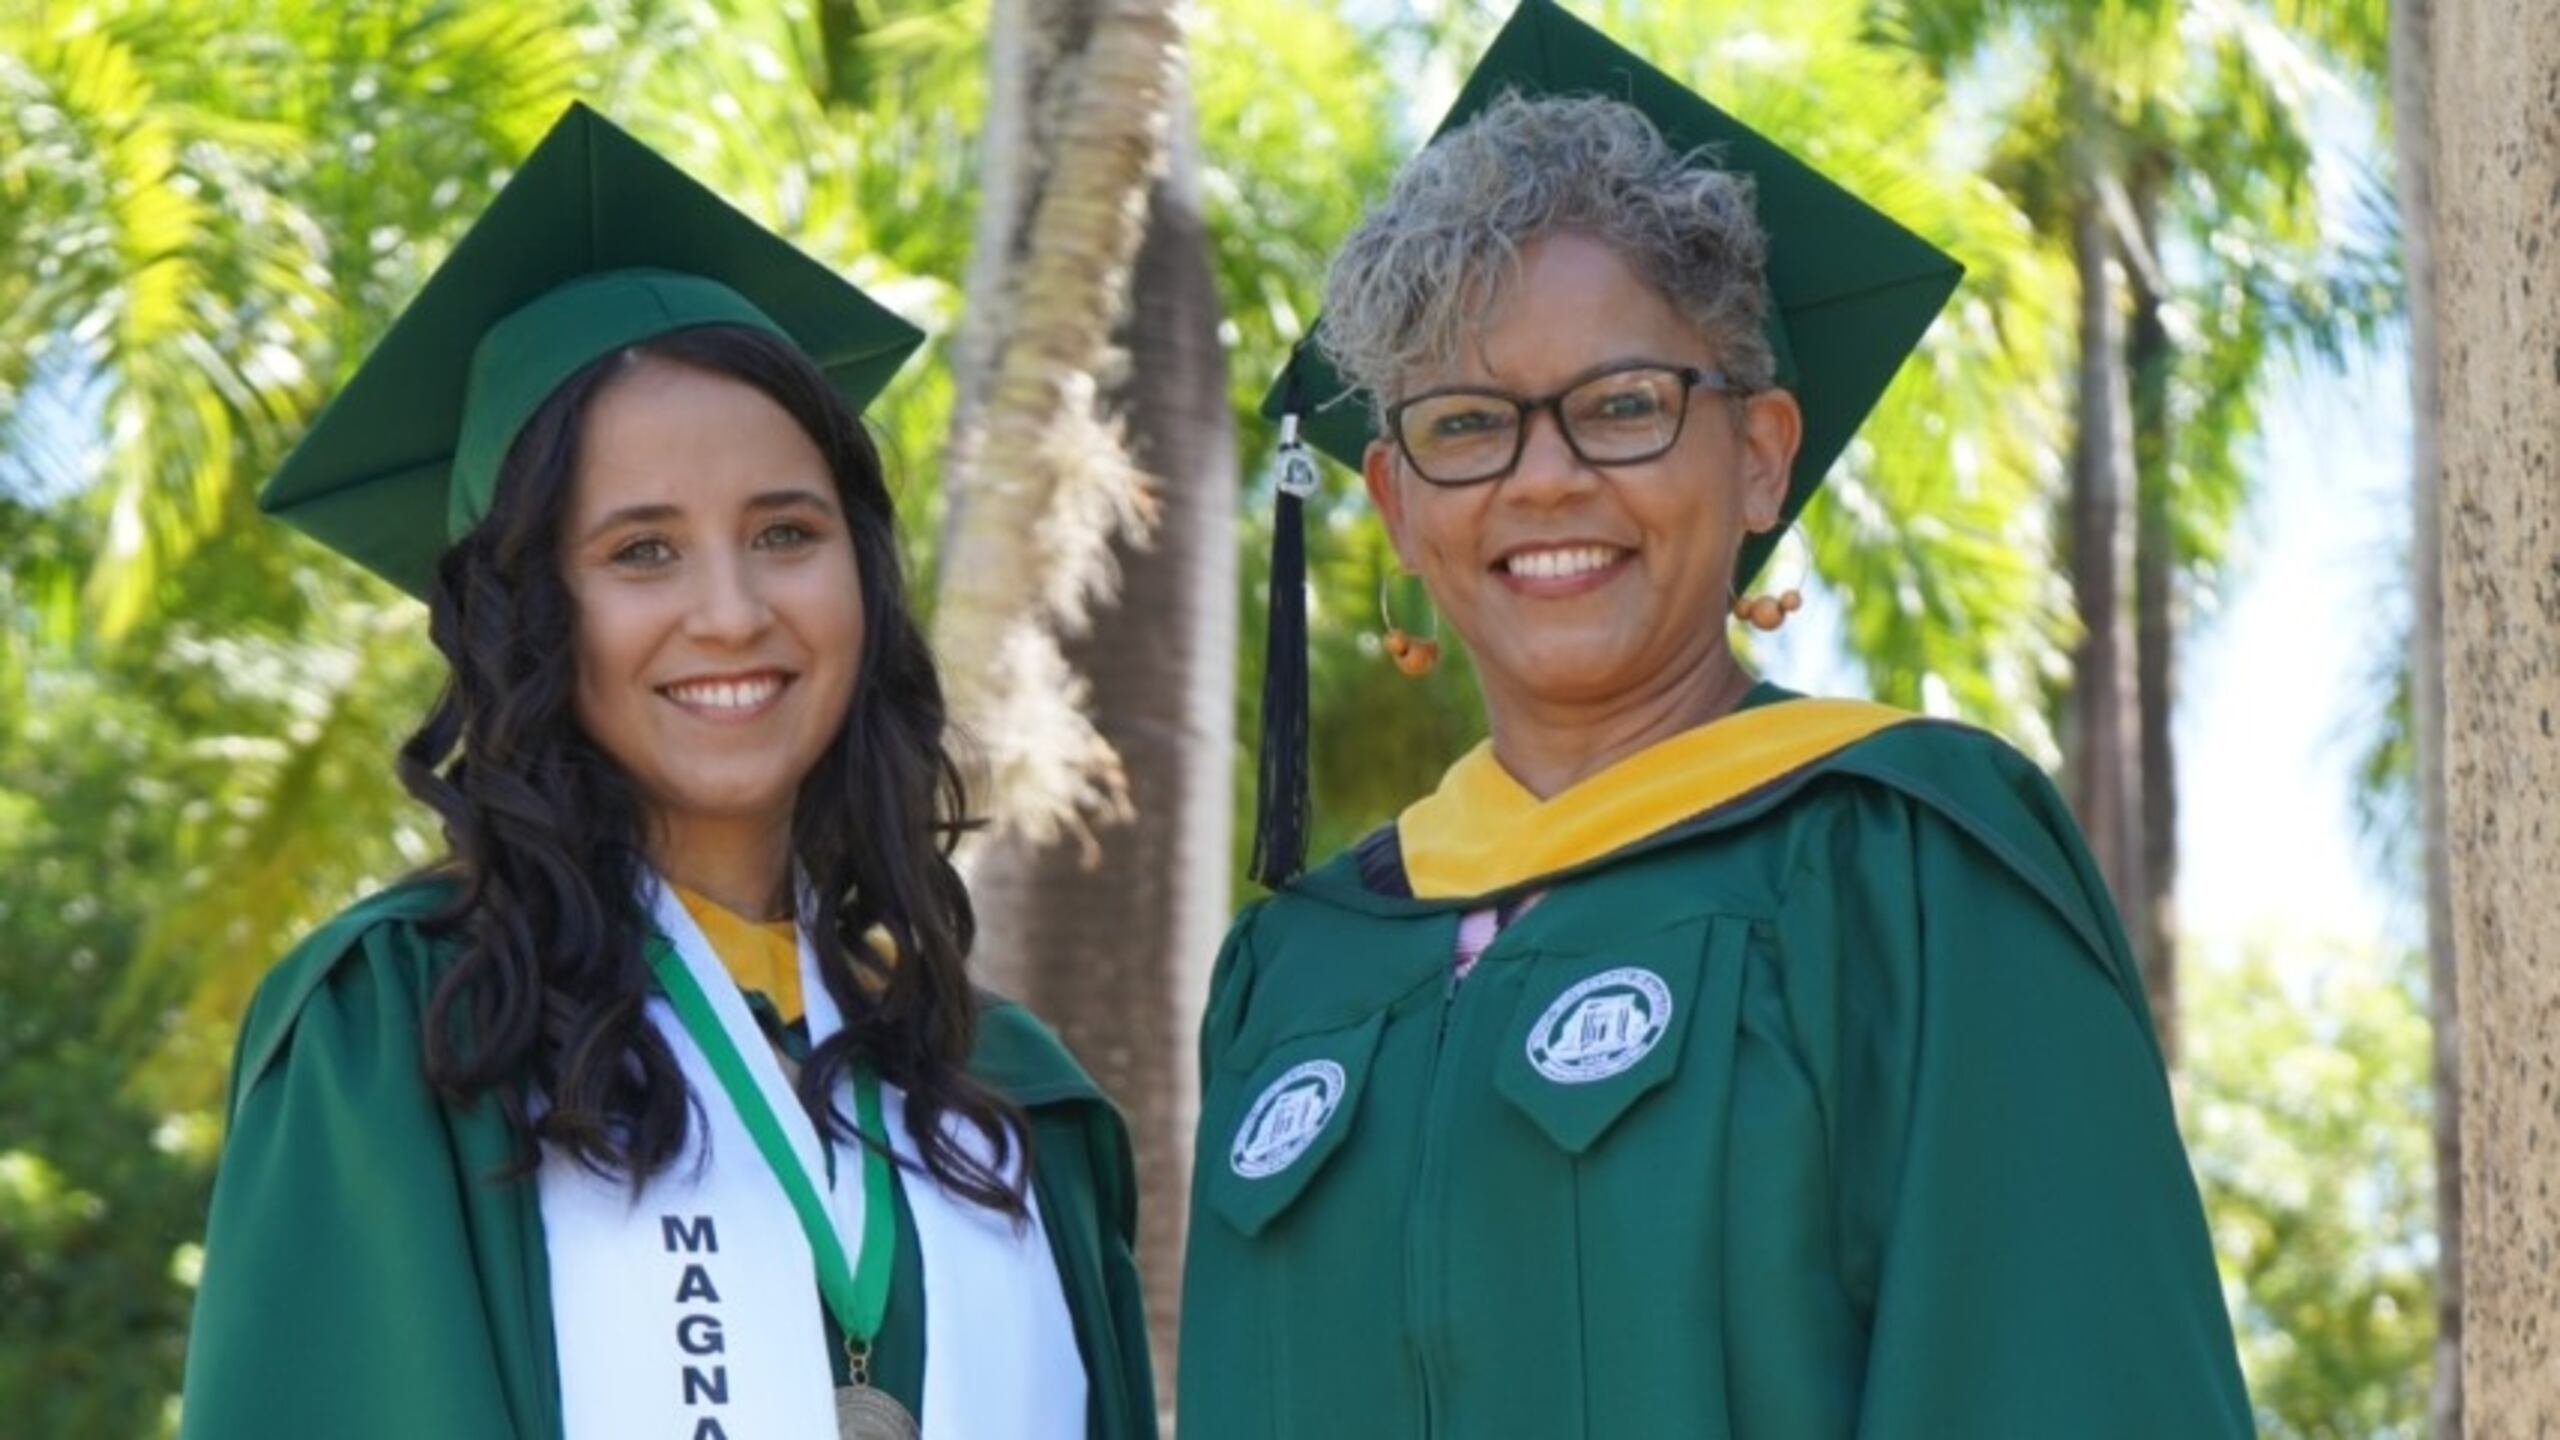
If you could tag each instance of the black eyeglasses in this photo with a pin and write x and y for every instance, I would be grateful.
(1617, 417)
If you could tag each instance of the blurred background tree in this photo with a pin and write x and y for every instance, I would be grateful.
(220, 204)
(2306, 1089)
(2165, 146)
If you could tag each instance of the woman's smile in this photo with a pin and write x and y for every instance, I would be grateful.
(729, 699)
(1555, 571)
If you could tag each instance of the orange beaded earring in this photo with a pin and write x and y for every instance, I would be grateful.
(1413, 654)
(1769, 611)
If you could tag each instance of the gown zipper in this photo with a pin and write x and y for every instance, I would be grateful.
(1425, 1239)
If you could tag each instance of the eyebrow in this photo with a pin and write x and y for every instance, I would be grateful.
(1588, 372)
(658, 512)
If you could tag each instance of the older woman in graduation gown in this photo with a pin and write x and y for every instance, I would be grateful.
(662, 1106)
(1698, 1060)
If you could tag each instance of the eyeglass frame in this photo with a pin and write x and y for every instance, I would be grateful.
(1692, 377)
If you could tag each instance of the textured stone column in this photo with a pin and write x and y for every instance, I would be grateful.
(2497, 173)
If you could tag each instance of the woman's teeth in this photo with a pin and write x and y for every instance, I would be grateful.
(1560, 564)
(726, 694)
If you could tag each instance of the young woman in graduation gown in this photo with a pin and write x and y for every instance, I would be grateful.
(1698, 1060)
(663, 1105)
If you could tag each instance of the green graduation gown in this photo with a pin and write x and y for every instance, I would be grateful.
(362, 1279)
(1891, 1155)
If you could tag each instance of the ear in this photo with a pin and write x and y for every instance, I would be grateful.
(1772, 430)
(1378, 472)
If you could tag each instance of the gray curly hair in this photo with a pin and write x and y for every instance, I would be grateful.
(1432, 258)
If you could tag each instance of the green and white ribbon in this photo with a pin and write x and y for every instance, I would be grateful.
(859, 1295)
(691, 1306)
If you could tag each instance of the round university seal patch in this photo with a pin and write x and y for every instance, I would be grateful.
(1601, 1026)
(1290, 1113)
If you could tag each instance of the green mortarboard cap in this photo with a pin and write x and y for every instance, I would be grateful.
(595, 244)
(1851, 294)
(1851, 290)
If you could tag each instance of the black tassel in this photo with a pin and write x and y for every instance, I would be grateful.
(1281, 804)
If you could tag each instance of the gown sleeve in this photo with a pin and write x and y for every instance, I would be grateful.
(1117, 1196)
(341, 1292)
(1088, 1190)
(2017, 1212)
(1230, 977)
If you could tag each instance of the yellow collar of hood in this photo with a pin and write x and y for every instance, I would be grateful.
(1481, 832)
(761, 955)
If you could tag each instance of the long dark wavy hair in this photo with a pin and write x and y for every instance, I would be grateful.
(546, 832)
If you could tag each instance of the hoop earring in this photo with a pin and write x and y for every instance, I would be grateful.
(1766, 612)
(1415, 655)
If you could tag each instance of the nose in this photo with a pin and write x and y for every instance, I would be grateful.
(729, 606)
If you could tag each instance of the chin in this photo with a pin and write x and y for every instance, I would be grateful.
(1569, 672)
(729, 803)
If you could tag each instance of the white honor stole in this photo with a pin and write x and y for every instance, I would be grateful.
(692, 1311)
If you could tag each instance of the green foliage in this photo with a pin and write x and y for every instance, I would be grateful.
(1294, 145)
(288, 170)
(2305, 1107)
(211, 199)
(282, 804)
(102, 1184)
(2194, 122)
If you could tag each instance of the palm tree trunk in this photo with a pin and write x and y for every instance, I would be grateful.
(2497, 152)
(2101, 733)
(2155, 570)
(1020, 57)
(2413, 137)
(1111, 942)
(1038, 483)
